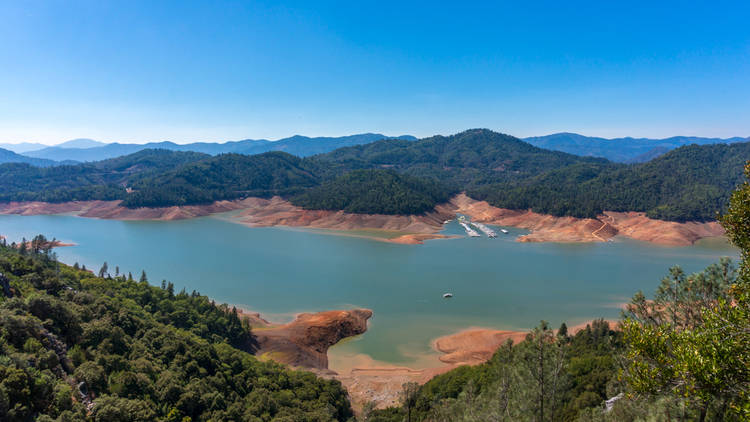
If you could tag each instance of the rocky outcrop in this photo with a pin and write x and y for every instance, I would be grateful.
(305, 342)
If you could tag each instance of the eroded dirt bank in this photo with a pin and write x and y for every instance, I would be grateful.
(111, 210)
(304, 342)
(278, 212)
(382, 384)
(259, 212)
(546, 228)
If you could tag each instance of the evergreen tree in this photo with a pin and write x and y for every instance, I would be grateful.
(701, 358)
(103, 270)
(144, 279)
(22, 247)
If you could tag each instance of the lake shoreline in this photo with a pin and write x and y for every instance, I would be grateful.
(415, 229)
(304, 343)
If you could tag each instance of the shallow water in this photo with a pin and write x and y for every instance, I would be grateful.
(496, 283)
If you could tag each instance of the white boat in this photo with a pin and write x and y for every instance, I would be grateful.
(504, 231)
(448, 295)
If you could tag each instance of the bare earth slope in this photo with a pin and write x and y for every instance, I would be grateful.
(546, 228)
(111, 210)
(259, 212)
(304, 343)
(278, 212)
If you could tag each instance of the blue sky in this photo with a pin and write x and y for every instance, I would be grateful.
(216, 71)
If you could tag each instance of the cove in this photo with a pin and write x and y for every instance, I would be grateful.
(497, 283)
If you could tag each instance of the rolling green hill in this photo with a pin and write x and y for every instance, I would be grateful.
(230, 176)
(465, 160)
(375, 191)
(105, 180)
(689, 183)
(692, 182)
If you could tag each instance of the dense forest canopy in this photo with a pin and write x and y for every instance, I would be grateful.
(105, 180)
(689, 183)
(136, 351)
(471, 158)
(375, 191)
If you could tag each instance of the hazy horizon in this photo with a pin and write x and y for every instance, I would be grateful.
(222, 71)
(360, 133)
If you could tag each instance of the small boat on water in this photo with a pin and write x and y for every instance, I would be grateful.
(504, 231)
(448, 295)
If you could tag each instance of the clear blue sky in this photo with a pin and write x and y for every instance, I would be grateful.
(186, 71)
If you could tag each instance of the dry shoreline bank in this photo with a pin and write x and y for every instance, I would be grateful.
(304, 343)
(258, 212)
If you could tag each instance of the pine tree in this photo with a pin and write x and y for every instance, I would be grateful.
(103, 270)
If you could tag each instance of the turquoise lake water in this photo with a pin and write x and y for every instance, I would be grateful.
(279, 272)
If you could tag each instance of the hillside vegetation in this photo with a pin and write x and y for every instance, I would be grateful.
(468, 159)
(375, 191)
(104, 180)
(122, 350)
(689, 183)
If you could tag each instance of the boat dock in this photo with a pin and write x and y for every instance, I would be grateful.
(471, 232)
(488, 231)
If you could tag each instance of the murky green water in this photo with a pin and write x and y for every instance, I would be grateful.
(496, 283)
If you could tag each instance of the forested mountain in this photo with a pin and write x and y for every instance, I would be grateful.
(468, 159)
(115, 349)
(7, 156)
(692, 182)
(375, 191)
(620, 149)
(689, 183)
(230, 176)
(104, 180)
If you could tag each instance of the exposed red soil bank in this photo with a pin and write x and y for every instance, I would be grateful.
(259, 212)
(278, 212)
(111, 210)
(546, 228)
(304, 343)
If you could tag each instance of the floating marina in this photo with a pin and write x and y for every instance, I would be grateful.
(470, 231)
(473, 233)
(488, 231)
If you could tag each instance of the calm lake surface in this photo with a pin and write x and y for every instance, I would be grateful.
(497, 283)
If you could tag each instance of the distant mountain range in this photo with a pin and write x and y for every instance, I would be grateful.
(689, 183)
(7, 156)
(302, 146)
(621, 150)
